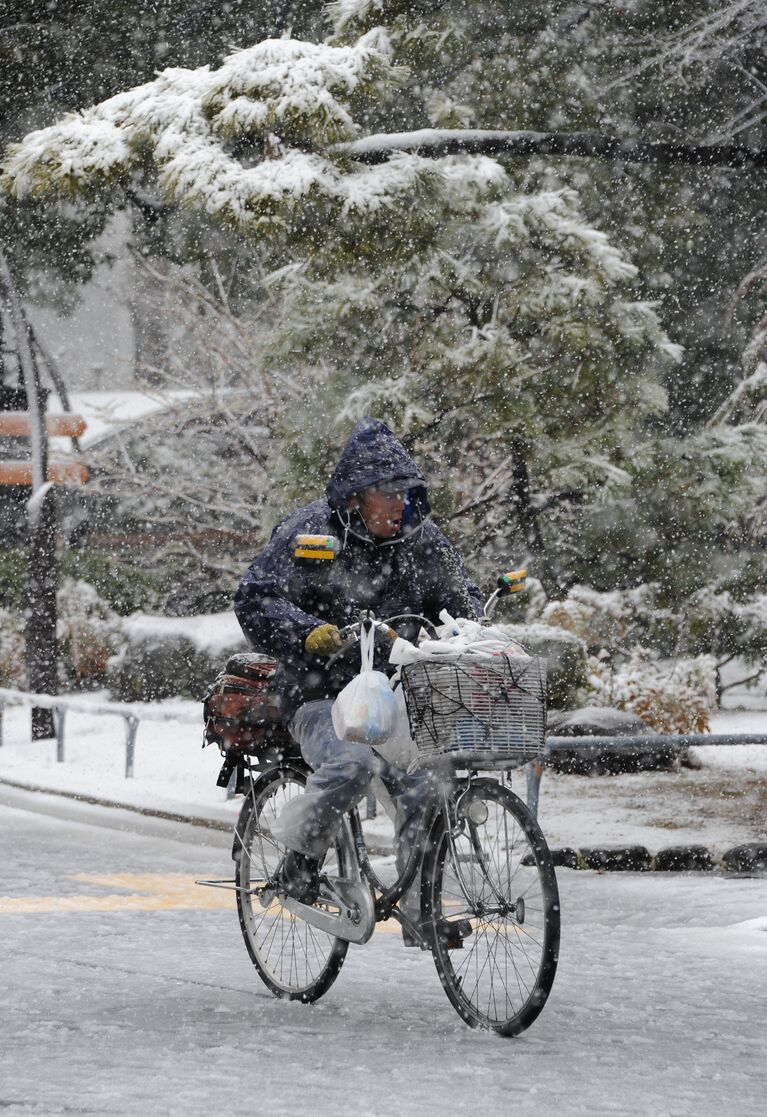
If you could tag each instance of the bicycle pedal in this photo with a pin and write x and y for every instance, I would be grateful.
(298, 877)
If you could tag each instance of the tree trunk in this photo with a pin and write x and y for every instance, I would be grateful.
(149, 333)
(527, 516)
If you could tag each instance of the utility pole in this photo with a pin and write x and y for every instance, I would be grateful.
(41, 521)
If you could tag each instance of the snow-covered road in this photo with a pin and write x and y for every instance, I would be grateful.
(125, 995)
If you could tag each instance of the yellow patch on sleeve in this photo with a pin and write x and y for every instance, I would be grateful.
(316, 547)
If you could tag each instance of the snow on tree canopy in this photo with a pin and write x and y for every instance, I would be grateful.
(283, 95)
(345, 12)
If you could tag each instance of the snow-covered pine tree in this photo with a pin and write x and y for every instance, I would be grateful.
(652, 70)
(688, 513)
(471, 300)
(495, 326)
(505, 344)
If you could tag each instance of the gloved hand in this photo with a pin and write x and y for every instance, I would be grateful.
(323, 640)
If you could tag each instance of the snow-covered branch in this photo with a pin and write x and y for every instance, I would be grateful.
(437, 142)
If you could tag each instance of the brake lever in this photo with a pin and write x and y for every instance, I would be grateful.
(353, 637)
(348, 643)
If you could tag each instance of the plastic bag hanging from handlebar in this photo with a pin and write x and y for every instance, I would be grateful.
(366, 710)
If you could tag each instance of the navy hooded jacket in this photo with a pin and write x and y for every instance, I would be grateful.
(283, 597)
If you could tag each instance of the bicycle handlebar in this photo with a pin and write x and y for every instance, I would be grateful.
(350, 632)
(511, 582)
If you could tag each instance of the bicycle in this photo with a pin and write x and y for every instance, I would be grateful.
(483, 861)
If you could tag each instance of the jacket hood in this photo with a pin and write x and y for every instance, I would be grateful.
(374, 456)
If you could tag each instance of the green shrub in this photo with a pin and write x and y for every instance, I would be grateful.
(13, 574)
(565, 657)
(151, 668)
(124, 586)
(13, 667)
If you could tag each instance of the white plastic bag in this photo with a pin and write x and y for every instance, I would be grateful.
(366, 709)
(458, 637)
(399, 748)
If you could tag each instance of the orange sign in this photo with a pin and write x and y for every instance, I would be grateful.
(15, 424)
(20, 473)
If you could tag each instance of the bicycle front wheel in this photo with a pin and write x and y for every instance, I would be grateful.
(293, 959)
(495, 871)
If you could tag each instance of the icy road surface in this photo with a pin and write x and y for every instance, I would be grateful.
(127, 990)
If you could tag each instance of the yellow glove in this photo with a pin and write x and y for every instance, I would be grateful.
(323, 640)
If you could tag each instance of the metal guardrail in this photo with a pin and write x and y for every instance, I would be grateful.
(652, 740)
(132, 714)
(636, 744)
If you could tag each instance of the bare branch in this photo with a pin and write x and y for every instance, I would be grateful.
(744, 682)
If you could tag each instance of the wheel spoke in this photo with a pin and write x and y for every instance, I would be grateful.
(293, 958)
(503, 974)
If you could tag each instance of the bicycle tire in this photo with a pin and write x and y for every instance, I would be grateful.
(506, 886)
(294, 960)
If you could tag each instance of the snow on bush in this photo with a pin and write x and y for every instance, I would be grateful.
(671, 697)
(675, 696)
(88, 632)
(615, 621)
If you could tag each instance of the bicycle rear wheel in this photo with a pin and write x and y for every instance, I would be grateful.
(495, 871)
(293, 959)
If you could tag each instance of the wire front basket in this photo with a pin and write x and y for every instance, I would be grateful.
(477, 711)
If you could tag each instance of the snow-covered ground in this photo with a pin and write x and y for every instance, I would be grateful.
(657, 1007)
(721, 804)
(147, 1003)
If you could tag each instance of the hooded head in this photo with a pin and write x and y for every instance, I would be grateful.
(374, 458)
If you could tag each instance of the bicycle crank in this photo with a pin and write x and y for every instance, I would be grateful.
(344, 908)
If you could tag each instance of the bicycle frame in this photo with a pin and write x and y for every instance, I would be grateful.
(358, 906)
(443, 806)
(385, 904)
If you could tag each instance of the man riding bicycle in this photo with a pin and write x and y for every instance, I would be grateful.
(295, 597)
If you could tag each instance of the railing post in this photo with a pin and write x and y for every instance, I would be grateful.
(131, 729)
(371, 806)
(60, 714)
(2, 711)
(534, 773)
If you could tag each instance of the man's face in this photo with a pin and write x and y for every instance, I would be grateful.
(382, 512)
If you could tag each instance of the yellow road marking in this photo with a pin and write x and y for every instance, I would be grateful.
(142, 892)
(156, 892)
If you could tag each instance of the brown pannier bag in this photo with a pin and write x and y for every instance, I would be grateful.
(248, 703)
